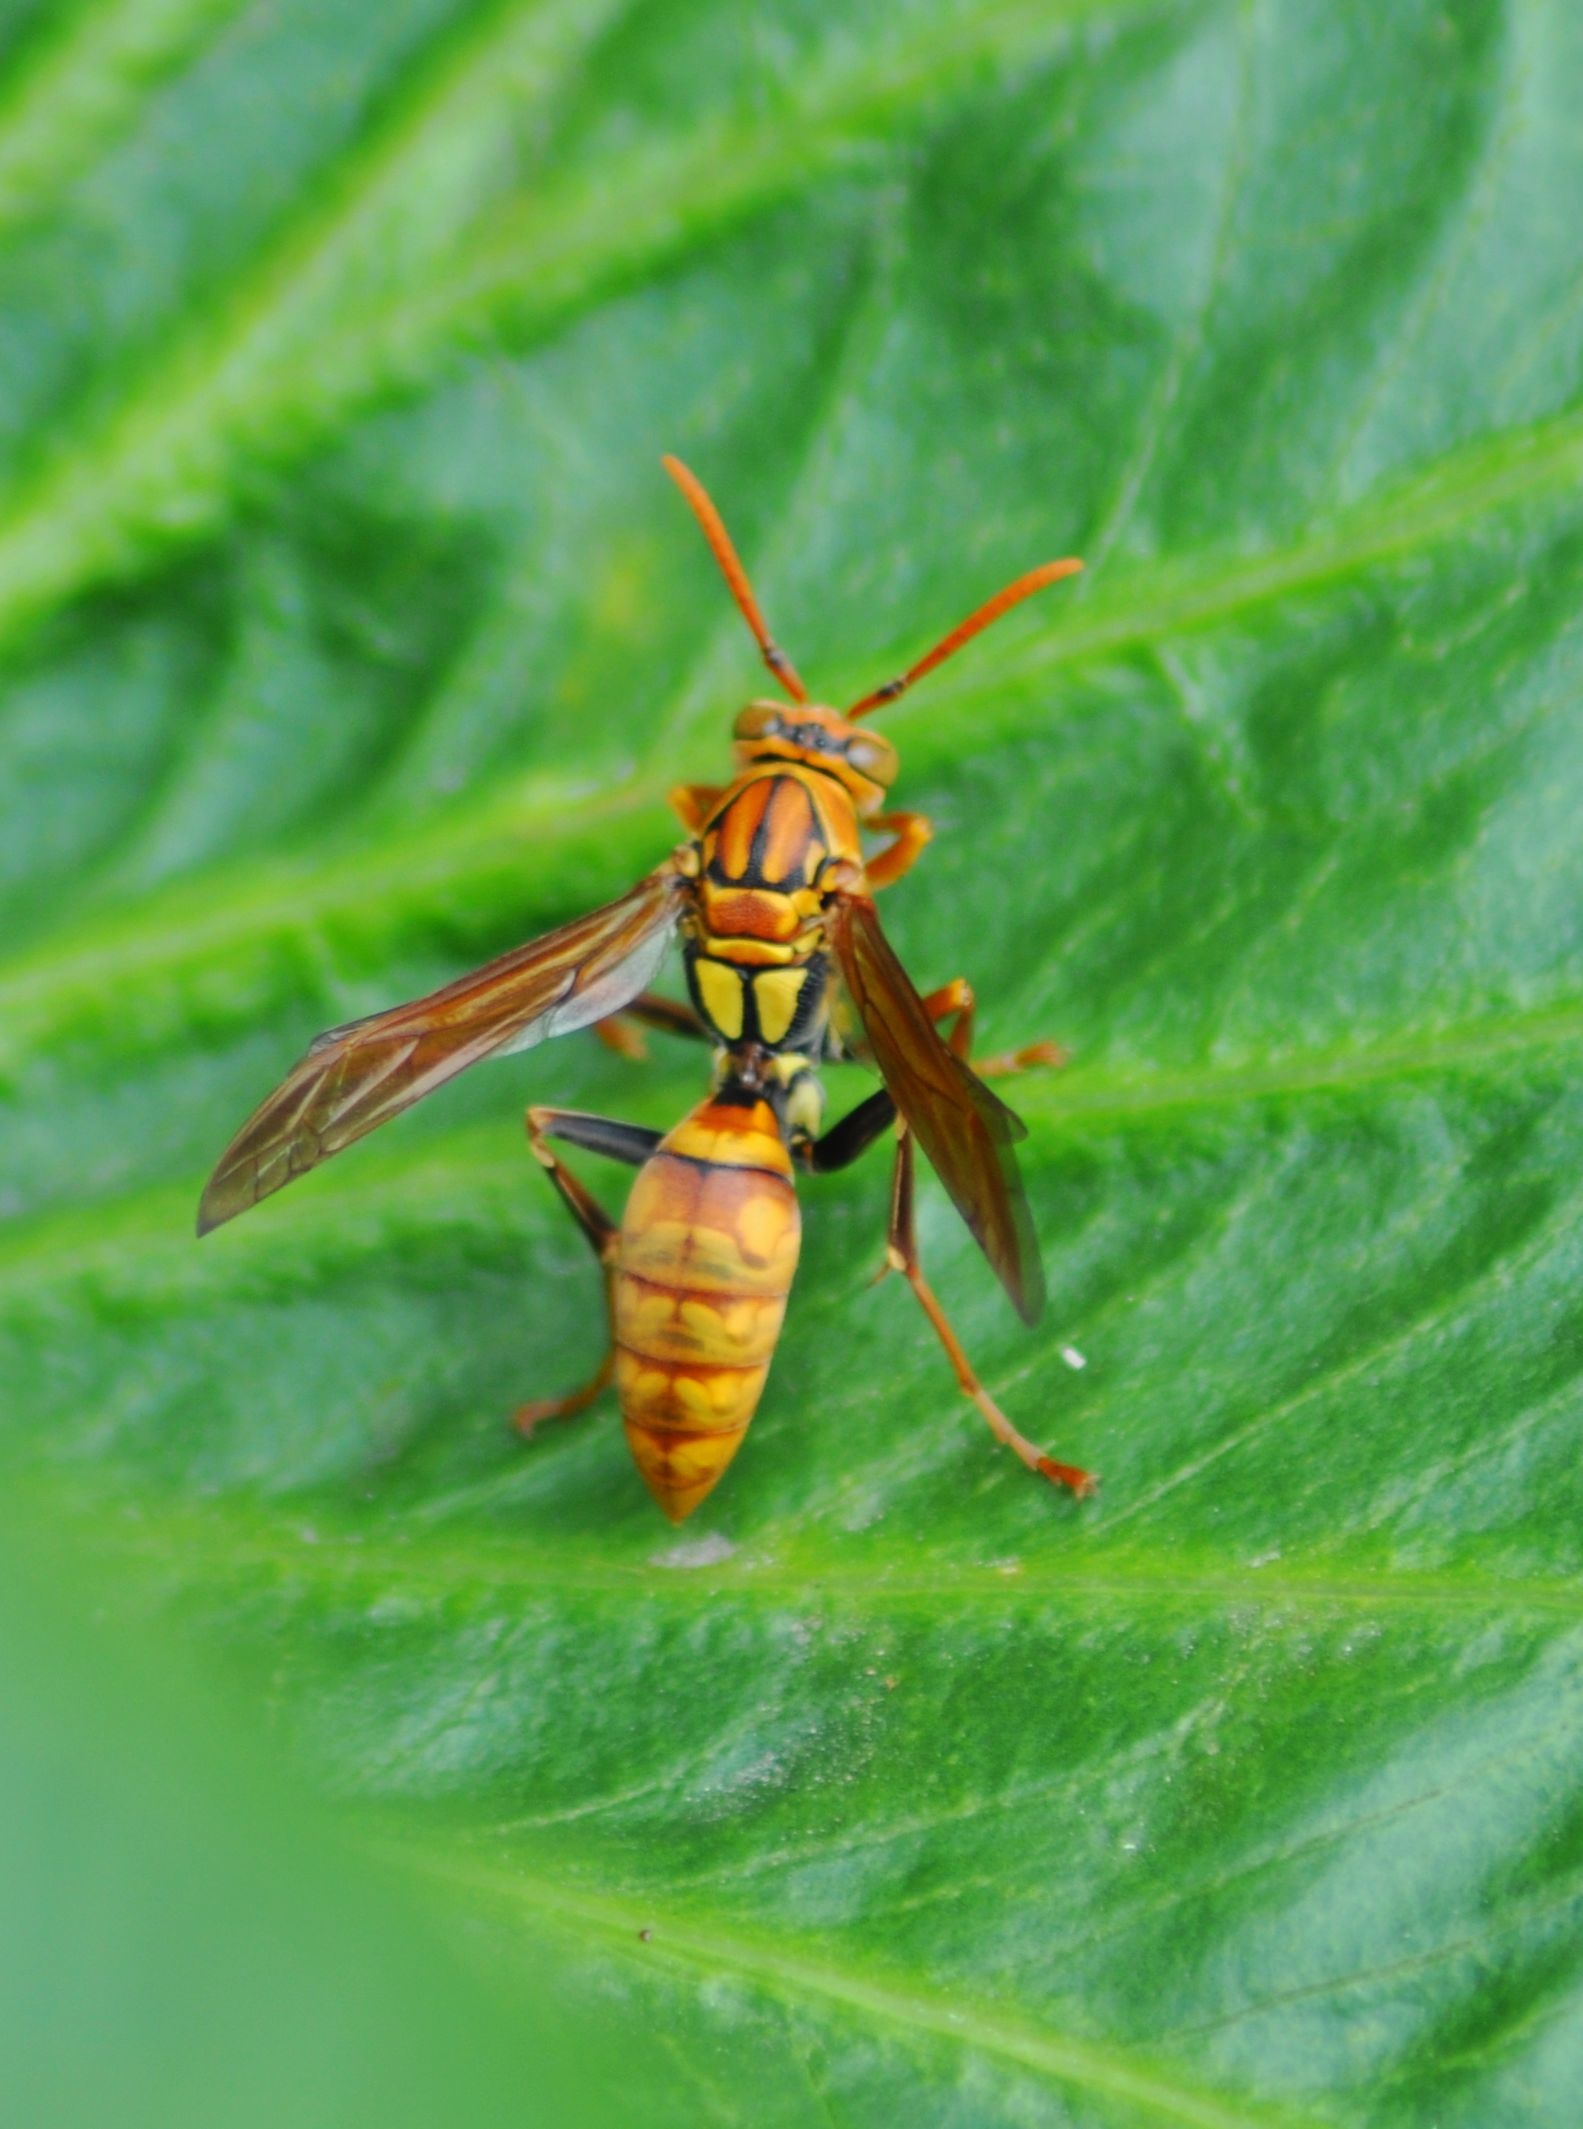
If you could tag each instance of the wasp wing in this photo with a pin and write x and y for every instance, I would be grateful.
(967, 1132)
(357, 1076)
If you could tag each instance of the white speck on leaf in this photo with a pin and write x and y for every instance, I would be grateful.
(696, 1552)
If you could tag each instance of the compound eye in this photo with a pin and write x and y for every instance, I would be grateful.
(760, 720)
(873, 757)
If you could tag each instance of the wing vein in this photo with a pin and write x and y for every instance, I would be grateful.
(359, 1075)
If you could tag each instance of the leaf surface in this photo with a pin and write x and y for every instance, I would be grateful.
(351, 634)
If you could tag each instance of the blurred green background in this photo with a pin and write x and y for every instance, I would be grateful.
(349, 633)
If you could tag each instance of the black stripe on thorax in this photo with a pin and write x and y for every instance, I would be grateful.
(759, 847)
(779, 761)
(754, 874)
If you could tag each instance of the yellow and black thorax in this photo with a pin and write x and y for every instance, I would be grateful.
(755, 958)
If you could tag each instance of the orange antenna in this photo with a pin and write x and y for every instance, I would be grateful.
(965, 631)
(735, 575)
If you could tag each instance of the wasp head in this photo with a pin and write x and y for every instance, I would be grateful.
(778, 731)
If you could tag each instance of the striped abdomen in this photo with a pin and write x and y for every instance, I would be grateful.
(707, 1251)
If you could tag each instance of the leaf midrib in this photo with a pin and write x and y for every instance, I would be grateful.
(433, 1550)
(66, 1242)
(224, 1541)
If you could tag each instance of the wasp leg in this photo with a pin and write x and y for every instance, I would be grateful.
(620, 1142)
(956, 999)
(649, 1009)
(912, 831)
(901, 1254)
(852, 1136)
(674, 1015)
(848, 1140)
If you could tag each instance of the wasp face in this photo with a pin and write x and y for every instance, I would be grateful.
(806, 732)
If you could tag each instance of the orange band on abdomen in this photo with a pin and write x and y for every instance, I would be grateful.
(707, 1250)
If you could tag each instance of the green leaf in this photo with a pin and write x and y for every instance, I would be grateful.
(181, 1941)
(350, 633)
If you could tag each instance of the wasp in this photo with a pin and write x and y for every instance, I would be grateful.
(787, 968)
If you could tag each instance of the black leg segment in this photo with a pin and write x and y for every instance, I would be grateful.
(844, 1142)
(632, 1143)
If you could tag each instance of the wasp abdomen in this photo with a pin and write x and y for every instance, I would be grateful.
(705, 1261)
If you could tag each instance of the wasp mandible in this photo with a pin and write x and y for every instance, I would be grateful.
(773, 899)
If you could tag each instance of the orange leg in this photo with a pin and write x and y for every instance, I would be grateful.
(901, 1254)
(628, 1142)
(956, 999)
(912, 832)
(955, 1002)
(847, 1140)
(693, 803)
(619, 1033)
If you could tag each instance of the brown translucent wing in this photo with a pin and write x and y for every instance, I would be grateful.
(357, 1076)
(966, 1131)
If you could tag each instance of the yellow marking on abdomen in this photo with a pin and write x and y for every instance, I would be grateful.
(701, 1329)
(729, 1137)
(703, 1266)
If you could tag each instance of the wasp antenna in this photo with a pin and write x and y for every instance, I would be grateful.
(991, 610)
(735, 575)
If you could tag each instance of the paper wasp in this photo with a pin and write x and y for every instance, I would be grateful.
(773, 899)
